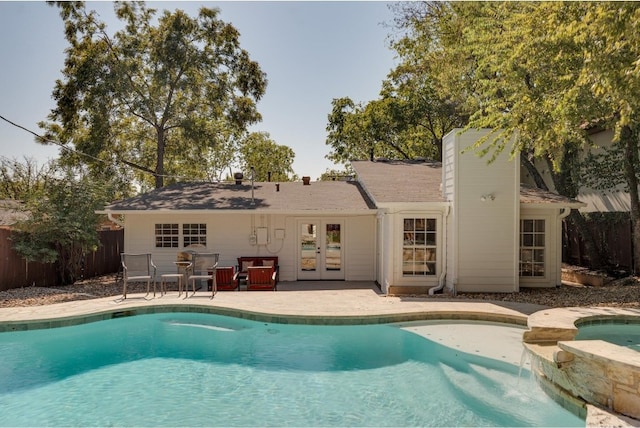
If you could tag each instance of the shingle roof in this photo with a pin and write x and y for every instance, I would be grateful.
(401, 181)
(384, 181)
(419, 181)
(293, 196)
(533, 195)
(11, 212)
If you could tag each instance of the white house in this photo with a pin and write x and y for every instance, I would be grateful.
(410, 226)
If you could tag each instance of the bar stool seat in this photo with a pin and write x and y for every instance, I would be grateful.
(171, 276)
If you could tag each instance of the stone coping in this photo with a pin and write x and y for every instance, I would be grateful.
(553, 325)
(470, 313)
(569, 368)
(604, 352)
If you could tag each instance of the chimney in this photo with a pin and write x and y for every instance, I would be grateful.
(238, 176)
(306, 180)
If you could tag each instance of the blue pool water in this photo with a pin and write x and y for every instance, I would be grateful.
(627, 335)
(185, 369)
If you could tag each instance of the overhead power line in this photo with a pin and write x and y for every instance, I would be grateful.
(65, 147)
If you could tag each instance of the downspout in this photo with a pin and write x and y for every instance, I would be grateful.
(113, 219)
(380, 275)
(443, 274)
(563, 214)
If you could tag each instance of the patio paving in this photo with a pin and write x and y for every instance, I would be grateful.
(296, 301)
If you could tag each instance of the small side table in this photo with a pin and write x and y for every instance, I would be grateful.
(170, 276)
(183, 271)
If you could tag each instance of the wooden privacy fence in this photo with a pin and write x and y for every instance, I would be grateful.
(15, 272)
(613, 237)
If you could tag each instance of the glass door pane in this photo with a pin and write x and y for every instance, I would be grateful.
(308, 246)
(333, 247)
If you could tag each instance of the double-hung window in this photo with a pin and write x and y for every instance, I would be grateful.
(194, 233)
(419, 247)
(167, 235)
(532, 248)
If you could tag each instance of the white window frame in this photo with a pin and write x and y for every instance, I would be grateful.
(179, 235)
(534, 247)
(415, 241)
(199, 237)
(166, 238)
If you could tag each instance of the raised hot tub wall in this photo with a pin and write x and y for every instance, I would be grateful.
(585, 371)
(595, 371)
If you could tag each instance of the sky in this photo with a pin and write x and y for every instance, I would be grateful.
(311, 52)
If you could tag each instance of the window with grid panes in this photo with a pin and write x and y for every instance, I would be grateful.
(167, 235)
(419, 247)
(194, 233)
(532, 248)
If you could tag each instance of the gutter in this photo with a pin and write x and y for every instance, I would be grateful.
(113, 219)
(443, 274)
(565, 211)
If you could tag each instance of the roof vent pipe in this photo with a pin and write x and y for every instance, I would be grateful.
(277, 187)
(269, 176)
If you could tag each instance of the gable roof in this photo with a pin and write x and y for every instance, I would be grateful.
(339, 196)
(401, 181)
(393, 181)
(378, 183)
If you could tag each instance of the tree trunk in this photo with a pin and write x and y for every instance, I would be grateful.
(533, 171)
(159, 174)
(566, 185)
(628, 138)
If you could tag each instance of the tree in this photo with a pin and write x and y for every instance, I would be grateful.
(157, 98)
(421, 117)
(20, 180)
(268, 160)
(357, 132)
(410, 117)
(337, 175)
(544, 71)
(346, 132)
(62, 226)
(611, 71)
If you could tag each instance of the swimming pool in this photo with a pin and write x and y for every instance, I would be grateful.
(187, 369)
(619, 333)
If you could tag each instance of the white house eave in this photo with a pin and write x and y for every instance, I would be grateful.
(256, 211)
(551, 205)
(414, 206)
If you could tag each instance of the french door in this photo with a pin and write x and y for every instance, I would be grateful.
(320, 250)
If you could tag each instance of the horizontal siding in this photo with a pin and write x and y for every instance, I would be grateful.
(360, 245)
(448, 167)
(226, 235)
(486, 280)
(484, 231)
(229, 236)
(488, 285)
(506, 267)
